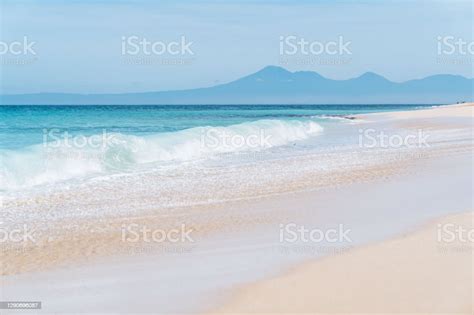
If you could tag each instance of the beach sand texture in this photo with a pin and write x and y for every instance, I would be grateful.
(414, 274)
(418, 273)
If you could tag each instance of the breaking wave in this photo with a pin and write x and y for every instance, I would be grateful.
(82, 156)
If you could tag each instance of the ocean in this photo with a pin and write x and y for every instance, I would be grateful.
(81, 178)
(47, 145)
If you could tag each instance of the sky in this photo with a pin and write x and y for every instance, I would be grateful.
(87, 46)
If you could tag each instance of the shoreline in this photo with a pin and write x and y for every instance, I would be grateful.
(411, 273)
(247, 227)
(414, 273)
(74, 234)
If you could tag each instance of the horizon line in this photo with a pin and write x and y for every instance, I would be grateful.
(268, 67)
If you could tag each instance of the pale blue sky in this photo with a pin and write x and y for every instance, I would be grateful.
(78, 43)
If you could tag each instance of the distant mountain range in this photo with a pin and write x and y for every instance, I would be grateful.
(275, 85)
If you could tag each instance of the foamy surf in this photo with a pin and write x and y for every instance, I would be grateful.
(64, 159)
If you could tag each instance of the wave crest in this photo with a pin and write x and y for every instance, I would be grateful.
(115, 152)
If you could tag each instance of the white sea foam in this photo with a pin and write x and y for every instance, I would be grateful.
(51, 162)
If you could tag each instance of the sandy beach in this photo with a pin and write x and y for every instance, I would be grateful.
(237, 157)
(413, 274)
(388, 200)
(421, 272)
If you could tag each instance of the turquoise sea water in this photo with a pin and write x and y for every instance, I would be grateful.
(44, 144)
(21, 126)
